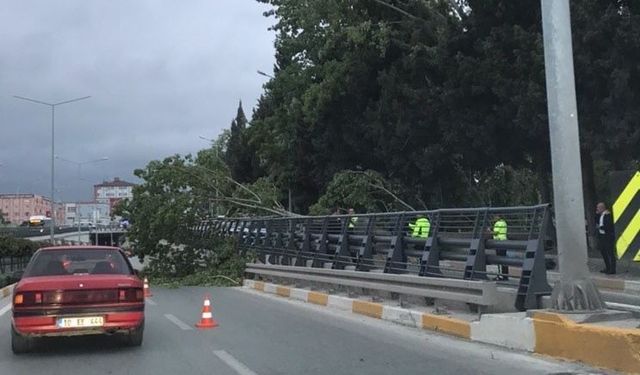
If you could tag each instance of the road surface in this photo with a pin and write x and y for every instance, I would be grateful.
(265, 335)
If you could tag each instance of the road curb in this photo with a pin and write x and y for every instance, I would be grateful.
(540, 332)
(610, 347)
(452, 326)
(6, 291)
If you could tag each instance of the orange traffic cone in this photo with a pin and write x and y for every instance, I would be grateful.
(147, 291)
(207, 320)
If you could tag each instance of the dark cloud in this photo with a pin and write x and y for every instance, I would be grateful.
(160, 74)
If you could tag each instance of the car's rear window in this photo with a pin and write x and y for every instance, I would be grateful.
(77, 261)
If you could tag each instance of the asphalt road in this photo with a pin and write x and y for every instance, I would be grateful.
(265, 335)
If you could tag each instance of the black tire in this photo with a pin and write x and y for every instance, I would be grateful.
(20, 344)
(135, 336)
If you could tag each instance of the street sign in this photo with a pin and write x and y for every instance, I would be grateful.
(626, 214)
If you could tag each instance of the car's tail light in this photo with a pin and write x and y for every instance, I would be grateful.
(130, 295)
(27, 299)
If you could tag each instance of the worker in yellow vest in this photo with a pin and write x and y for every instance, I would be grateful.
(353, 220)
(500, 234)
(421, 227)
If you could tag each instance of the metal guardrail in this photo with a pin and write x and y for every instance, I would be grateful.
(10, 264)
(384, 243)
(26, 232)
(482, 293)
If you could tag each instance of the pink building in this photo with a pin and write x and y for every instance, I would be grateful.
(112, 192)
(17, 208)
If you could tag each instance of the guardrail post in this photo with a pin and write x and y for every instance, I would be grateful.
(238, 229)
(249, 237)
(226, 226)
(396, 258)
(430, 262)
(364, 256)
(302, 254)
(292, 241)
(533, 281)
(476, 266)
(321, 255)
(263, 243)
(213, 229)
(343, 252)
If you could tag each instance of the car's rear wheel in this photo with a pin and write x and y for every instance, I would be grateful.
(20, 344)
(135, 336)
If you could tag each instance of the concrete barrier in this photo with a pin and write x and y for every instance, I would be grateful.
(610, 347)
(513, 331)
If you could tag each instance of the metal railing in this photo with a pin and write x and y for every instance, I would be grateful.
(26, 232)
(386, 243)
(10, 264)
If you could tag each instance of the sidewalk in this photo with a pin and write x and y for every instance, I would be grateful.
(626, 281)
(627, 270)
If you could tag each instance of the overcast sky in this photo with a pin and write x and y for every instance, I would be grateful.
(160, 74)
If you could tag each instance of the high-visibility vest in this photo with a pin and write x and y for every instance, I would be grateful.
(352, 222)
(420, 229)
(500, 230)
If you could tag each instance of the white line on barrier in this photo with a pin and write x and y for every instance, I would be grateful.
(6, 308)
(184, 326)
(238, 366)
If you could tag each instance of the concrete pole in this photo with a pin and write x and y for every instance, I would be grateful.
(79, 226)
(53, 200)
(575, 291)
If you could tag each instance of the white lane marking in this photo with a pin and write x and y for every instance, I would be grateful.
(6, 308)
(150, 301)
(238, 366)
(178, 322)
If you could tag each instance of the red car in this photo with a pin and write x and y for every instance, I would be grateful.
(77, 290)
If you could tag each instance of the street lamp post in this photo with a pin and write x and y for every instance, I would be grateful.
(53, 126)
(576, 290)
(79, 164)
(265, 74)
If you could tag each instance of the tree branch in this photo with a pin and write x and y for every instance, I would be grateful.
(384, 189)
(380, 187)
(397, 9)
(243, 187)
(257, 207)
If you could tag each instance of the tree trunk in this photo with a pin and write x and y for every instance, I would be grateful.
(589, 188)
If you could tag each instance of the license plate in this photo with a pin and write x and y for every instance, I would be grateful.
(81, 322)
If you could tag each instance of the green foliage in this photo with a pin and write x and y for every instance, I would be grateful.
(429, 93)
(17, 247)
(220, 266)
(503, 187)
(179, 192)
(389, 105)
(239, 154)
(364, 191)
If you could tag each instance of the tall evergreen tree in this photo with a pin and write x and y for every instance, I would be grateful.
(238, 155)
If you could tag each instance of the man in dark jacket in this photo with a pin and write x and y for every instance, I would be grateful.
(606, 238)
